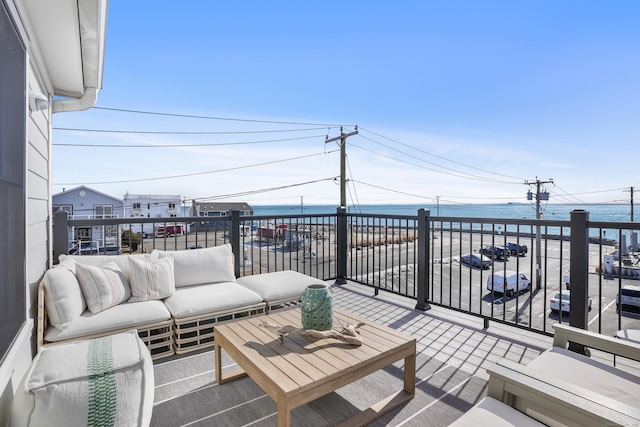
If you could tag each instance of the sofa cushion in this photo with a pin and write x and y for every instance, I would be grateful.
(103, 381)
(582, 371)
(62, 295)
(279, 285)
(119, 317)
(210, 298)
(100, 260)
(151, 280)
(102, 287)
(492, 412)
(201, 266)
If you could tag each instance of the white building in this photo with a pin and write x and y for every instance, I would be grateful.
(139, 206)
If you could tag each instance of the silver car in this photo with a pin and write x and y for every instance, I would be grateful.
(476, 260)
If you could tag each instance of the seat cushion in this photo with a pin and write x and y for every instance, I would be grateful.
(122, 316)
(279, 285)
(103, 381)
(201, 266)
(493, 413)
(629, 334)
(582, 371)
(211, 298)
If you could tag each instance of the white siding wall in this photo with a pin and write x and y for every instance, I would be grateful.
(38, 194)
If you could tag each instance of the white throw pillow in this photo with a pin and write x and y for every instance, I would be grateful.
(201, 266)
(62, 295)
(102, 287)
(151, 280)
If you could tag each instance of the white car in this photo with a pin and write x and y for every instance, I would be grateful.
(560, 301)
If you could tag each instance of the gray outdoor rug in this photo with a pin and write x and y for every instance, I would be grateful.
(186, 394)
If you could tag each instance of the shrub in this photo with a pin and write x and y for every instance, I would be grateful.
(131, 239)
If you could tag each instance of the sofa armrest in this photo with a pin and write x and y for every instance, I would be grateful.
(548, 398)
(563, 334)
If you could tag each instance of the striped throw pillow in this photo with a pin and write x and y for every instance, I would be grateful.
(102, 287)
(151, 280)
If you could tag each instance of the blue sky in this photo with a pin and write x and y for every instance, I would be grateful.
(465, 100)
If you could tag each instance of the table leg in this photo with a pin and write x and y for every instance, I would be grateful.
(284, 412)
(410, 374)
(218, 361)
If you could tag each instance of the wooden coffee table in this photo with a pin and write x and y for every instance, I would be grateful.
(301, 369)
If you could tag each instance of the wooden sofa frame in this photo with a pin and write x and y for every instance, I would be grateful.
(157, 336)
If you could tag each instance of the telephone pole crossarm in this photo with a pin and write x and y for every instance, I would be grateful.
(343, 162)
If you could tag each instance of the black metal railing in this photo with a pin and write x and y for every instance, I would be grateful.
(434, 260)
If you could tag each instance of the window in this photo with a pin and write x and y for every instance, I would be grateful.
(172, 205)
(12, 182)
(103, 211)
(136, 206)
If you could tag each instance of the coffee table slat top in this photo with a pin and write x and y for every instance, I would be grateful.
(302, 363)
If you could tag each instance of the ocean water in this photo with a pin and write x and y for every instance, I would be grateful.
(597, 212)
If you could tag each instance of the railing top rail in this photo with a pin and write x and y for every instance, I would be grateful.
(501, 221)
(364, 215)
(615, 225)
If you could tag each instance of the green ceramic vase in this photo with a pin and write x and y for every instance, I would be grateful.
(316, 307)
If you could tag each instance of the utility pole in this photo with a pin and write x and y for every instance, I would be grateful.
(343, 162)
(539, 196)
(631, 190)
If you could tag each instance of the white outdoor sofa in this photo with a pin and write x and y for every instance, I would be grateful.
(561, 387)
(172, 298)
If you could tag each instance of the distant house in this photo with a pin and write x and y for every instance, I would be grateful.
(151, 206)
(86, 203)
(219, 209)
(216, 210)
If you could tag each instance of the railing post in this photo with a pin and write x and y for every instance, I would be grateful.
(234, 239)
(424, 256)
(60, 235)
(342, 245)
(579, 267)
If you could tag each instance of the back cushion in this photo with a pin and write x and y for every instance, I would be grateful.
(101, 260)
(62, 295)
(201, 266)
(102, 287)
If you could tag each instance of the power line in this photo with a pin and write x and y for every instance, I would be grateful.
(458, 175)
(263, 190)
(186, 145)
(440, 157)
(191, 116)
(196, 173)
(149, 132)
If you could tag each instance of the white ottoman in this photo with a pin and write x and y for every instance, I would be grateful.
(279, 287)
(105, 381)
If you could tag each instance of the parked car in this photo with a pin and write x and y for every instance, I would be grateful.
(560, 302)
(517, 249)
(496, 252)
(508, 282)
(629, 299)
(476, 260)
